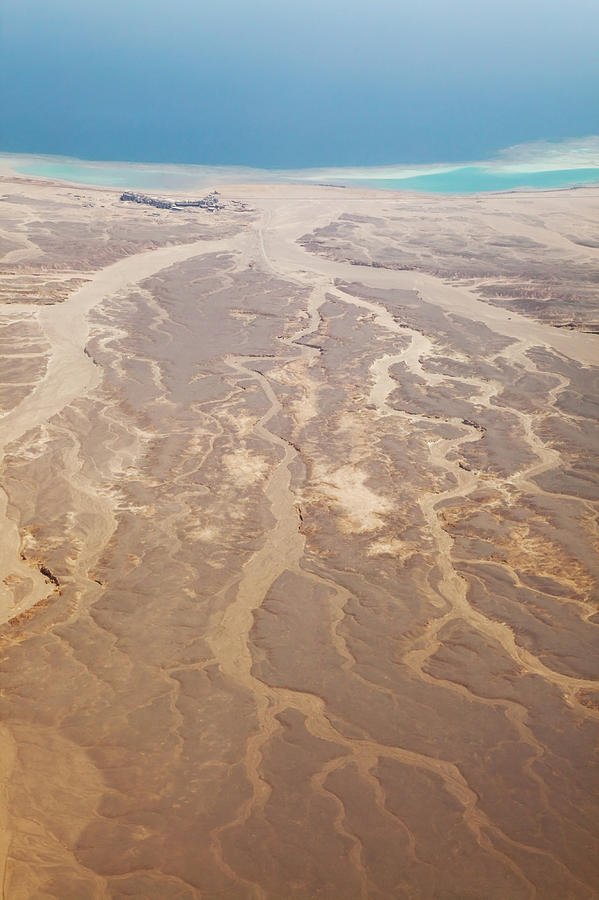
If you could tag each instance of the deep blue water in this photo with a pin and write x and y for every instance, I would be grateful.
(295, 84)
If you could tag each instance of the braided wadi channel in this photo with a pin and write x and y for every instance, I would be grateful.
(300, 553)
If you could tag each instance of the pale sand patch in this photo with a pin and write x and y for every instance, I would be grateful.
(362, 508)
(207, 534)
(305, 409)
(243, 315)
(243, 425)
(401, 550)
(297, 373)
(245, 467)
(532, 553)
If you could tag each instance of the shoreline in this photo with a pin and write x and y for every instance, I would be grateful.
(513, 164)
(352, 192)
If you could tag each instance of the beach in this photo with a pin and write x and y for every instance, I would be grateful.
(534, 166)
(299, 543)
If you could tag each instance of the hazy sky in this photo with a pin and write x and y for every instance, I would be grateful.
(293, 83)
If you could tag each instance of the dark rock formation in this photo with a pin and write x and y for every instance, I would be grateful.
(210, 202)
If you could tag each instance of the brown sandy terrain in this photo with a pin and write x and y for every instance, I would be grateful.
(511, 250)
(299, 546)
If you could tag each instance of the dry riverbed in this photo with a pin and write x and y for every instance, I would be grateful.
(299, 546)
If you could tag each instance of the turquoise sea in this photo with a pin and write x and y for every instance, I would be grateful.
(122, 175)
(479, 179)
(509, 173)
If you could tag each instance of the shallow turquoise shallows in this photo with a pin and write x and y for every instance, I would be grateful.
(475, 179)
(112, 175)
(466, 179)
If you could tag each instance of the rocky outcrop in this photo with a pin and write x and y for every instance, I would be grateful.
(210, 202)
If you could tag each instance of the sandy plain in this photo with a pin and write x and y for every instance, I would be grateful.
(299, 546)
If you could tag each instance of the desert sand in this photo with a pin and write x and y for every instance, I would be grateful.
(299, 545)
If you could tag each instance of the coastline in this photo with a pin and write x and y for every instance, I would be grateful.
(526, 168)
